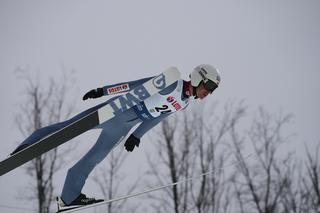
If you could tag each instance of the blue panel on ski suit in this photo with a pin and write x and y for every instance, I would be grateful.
(45, 131)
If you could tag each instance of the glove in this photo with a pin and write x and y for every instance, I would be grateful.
(95, 93)
(131, 142)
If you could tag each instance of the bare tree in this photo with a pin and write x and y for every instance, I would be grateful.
(109, 179)
(211, 193)
(312, 180)
(43, 105)
(301, 191)
(295, 197)
(174, 165)
(259, 185)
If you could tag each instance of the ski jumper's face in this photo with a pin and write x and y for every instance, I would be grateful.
(201, 91)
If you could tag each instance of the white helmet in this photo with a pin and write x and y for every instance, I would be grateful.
(206, 73)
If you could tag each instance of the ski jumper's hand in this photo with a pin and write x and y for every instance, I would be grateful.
(95, 93)
(131, 142)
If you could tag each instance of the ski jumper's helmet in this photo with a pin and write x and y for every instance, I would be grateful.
(207, 74)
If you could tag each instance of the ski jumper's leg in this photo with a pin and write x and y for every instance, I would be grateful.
(45, 131)
(113, 132)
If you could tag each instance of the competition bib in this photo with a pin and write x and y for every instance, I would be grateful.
(161, 104)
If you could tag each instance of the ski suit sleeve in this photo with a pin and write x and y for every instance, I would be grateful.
(145, 126)
(124, 86)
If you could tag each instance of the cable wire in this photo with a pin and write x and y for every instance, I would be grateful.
(14, 207)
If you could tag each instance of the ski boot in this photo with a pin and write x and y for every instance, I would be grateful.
(81, 200)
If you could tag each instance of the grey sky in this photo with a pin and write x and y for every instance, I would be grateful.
(268, 53)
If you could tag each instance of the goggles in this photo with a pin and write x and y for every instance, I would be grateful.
(209, 85)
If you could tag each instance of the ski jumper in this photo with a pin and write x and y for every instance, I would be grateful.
(147, 114)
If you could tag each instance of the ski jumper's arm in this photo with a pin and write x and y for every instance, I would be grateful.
(114, 88)
(123, 87)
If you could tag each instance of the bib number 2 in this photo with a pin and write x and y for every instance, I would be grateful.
(163, 110)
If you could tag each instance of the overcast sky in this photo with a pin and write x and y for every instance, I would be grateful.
(268, 53)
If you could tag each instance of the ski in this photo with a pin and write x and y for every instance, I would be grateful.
(68, 209)
(106, 112)
(73, 209)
